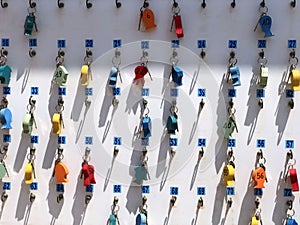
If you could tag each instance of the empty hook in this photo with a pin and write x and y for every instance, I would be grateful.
(4, 4)
(203, 4)
(32, 4)
(60, 4)
(293, 3)
(118, 4)
(233, 4)
(32, 52)
(88, 4)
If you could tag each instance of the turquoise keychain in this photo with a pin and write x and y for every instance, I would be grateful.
(5, 70)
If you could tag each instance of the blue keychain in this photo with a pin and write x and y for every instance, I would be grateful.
(265, 22)
(177, 75)
(5, 72)
(172, 124)
(235, 76)
(5, 115)
(291, 221)
(146, 126)
(30, 21)
(141, 219)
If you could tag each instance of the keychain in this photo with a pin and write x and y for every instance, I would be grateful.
(146, 124)
(256, 218)
(230, 123)
(141, 172)
(294, 74)
(29, 119)
(172, 122)
(87, 170)
(259, 175)
(142, 70)
(265, 21)
(5, 115)
(146, 21)
(29, 167)
(290, 212)
(292, 172)
(142, 217)
(86, 73)
(60, 169)
(233, 71)
(57, 119)
(176, 72)
(61, 73)
(113, 218)
(229, 170)
(3, 168)
(177, 20)
(115, 70)
(263, 70)
(30, 20)
(5, 70)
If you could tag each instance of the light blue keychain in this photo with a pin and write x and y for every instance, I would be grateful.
(5, 115)
(291, 221)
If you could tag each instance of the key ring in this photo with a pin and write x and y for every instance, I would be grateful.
(292, 162)
(88, 60)
(175, 9)
(232, 61)
(3, 59)
(290, 213)
(262, 61)
(31, 157)
(173, 109)
(31, 10)
(263, 10)
(293, 61)
(231, 111)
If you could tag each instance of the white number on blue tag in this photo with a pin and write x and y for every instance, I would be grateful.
(231, 93)
(117, 43)
(292, 44)
(175, 43)
(201, 142)
(62, 91)
(60, 188)
(145, 141)
(6, 186)
(145, 92)
(6, 138)
(88, 91)
(6, 90)
(5, 42)
(258, 191)
(173, 142)
(260, 93)
(32, 42)
(89, 188)
(201, 43)
(174, 92)
(261, 43)
(289, 93)
(144, 44)
(201, 92)
(89, 43)
(116, 91)
(287, 192)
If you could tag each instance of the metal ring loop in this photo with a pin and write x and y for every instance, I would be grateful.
(292, 162)
(31, 157)
(289, 214)
(86, 158)
(173, 109)
(115, 209)
(59, 60)
(31, 10)
(262, 161)
(231, 111)
(88, 60)
(176, 10)
(262, 61)
(3, 59)
(59, 108)
(263, 10)
(30, 108)
(293, 63)
(116, 61)
(146, 114)
(232, 61)
(144, 60)
(59, 156)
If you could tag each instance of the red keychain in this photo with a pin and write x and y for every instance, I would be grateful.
(294, 179)
(177, 20)
(142, 70)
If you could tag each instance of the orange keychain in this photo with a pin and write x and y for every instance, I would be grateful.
(147, 17)
(259, 176)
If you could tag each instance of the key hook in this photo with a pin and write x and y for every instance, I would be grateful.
(32, 4)
(60, 4)
(233, 4)
(203, 5)
(88, 4)
(293, 3)
(263, 3)
(4, 4)
(118, 4)
(175, 4)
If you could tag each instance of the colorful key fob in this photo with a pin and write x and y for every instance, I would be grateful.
(228, 175)
(61, 172)
(5, 73)
(178, 26)
(265, 23)
(177, 75)
(148, 19)
(2, 170)
(235, 75)
(28, 173)
(5, 118)
(295, 80)
(27, 123)
(88, 173)
(84, 75)
(141, 219)
(61, 75)
(263, 77)
(140, 72)
(291, 221)
(113, 77)
(172, 124)
(294, 179)
(146, 126)
(259, 177)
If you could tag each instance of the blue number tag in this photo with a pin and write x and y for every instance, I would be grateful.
(261, 43)
(117, 188)
(261, 143)
(231, 93)
(117, 43)
(260, 93)
(175, 43)
(89, 91)
(89, 188)
(292, 44)
(89, 43)
(32, 42)
(174, 190)
(287, 192)
(5, 42)
(201, 191)
(61, 43)
(144, 44)
(201, 92)
(34, 139)
(145, 189)
(6, 186)
(6, 90)
(174, 92)
(289, 93)
(231, 143)
(258, 191)
(88, 140)
(145, 141)
(34, 90)
(6, 138)
(62, 91)
(230, 191)
(145, 92)
(60, 188)
(232, 44)
(116, 91)
(117, 141)
(61, 140)
(34, 186)
(201, 43)
(201, 142)
(173, 142)
(289, 143)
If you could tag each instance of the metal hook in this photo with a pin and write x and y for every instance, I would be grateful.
(290, 154)
(4, 52)
(32, 52)
(200, 203)
(233, 4)
(88, 4)
(175, 4)
(86, 157)
(60, 4)
(293, 3)
(116, 151)
(263, 3)
(32, 4)
(202, 53)
(173, 198)
(203, 4)
(118, 4)
(4, 4)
